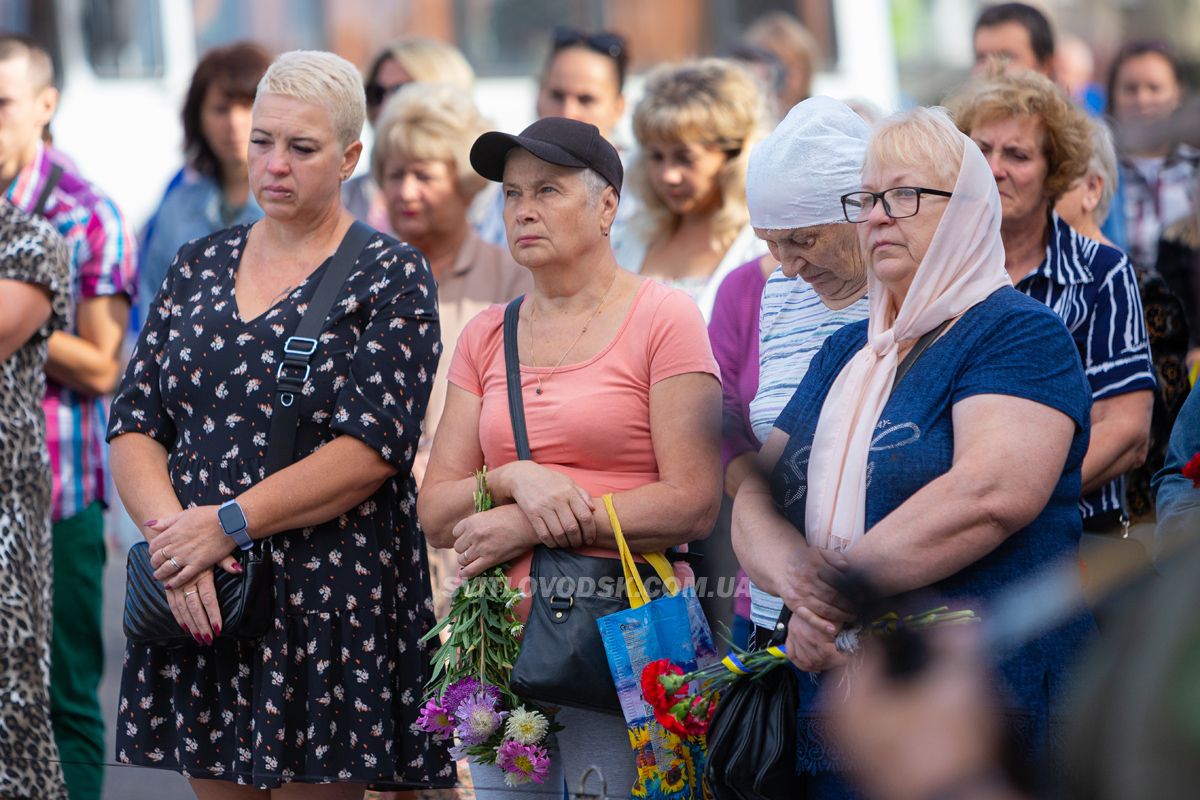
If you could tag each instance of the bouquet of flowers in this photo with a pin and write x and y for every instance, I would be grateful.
(684, 702)
(467, 699)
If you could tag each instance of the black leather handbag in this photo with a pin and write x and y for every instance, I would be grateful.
(752, 735)
(245, 599)
(562, 660)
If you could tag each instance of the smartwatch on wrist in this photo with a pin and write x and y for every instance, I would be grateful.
(233, 523)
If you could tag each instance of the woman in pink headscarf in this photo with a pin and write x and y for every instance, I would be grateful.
(955, 470)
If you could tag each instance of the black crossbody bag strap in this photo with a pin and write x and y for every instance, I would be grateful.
(56, 173)
(512, 371)
(301, 346)
(920, 347)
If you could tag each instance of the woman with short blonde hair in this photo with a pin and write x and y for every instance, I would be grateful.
(342, 657)
(695, 125)
(406, 61)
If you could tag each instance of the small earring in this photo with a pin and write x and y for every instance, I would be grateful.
(604, 232)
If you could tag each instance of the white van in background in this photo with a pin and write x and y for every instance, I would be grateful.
(122, 68)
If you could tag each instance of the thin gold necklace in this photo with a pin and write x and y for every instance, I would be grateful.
(532, 339)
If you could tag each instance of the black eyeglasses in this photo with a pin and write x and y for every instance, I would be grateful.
(377, 92)
(899, 202)
(607, 44)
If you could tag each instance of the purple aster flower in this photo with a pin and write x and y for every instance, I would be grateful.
(457, 692)
(478, 718)
(522, 763)
(435, 719)
(463, 688)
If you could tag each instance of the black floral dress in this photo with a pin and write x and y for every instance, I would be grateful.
(331, 692)
(31, 251)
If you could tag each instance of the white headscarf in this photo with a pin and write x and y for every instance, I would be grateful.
(964, 264)
(797, 175)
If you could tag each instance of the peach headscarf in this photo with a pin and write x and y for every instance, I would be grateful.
(964, 264)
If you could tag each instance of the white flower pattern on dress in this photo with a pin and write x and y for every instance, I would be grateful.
(336, 667)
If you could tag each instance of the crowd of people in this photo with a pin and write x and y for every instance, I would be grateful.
(947, 349)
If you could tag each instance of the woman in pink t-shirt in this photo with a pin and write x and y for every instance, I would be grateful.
(621, 395)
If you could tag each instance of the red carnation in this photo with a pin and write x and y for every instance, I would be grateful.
(652, 688)
(1191, 470)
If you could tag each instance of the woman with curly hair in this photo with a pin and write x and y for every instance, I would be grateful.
(694, 125)
(1038, 145)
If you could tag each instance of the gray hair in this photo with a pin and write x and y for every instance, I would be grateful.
(323, 79)
(595, 183)
(1103, 163)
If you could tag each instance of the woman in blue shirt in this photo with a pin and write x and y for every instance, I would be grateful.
(961, 480)
(212, 192)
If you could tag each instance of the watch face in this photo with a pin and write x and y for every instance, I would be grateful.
(231, 518)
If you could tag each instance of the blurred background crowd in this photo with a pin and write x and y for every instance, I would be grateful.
(152, 123)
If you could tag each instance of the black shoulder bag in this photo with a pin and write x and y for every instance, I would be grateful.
(752, 736)
(245, 599)
(562, 660)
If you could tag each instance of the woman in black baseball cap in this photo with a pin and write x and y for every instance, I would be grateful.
(620, 394)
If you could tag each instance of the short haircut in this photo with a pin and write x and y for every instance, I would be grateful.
(324, 79)
(1041, 35)
(430, 122)
(713, 102)
(41, 67)
(596, 184)
(426, 61)
(235, 70)
(922, 139)
(1066, 135)
(1137, 49)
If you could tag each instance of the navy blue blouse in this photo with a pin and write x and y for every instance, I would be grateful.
(1008, 344)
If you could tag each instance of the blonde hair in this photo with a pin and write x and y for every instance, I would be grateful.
(1066, 134)
(429, 61)
(712, 102)
(922, 139)
(323, 79)
(430, 122)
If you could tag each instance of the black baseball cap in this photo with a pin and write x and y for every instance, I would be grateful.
(556, 140)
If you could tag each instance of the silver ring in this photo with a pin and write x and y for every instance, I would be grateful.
(189, 594)
(176, 563)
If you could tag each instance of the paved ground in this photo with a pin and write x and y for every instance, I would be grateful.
(126, 783)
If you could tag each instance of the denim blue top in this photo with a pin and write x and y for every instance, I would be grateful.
(190, 209)
(1008, 344)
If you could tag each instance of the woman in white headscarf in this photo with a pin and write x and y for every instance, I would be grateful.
(773, 314)
(963, 477)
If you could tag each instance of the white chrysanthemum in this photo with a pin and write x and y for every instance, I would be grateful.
(525, 726)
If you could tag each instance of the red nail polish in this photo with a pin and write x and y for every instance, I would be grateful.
(196, 636)
(186, 628)
(168, 586)
(237, 567)
(216, 630)
(208, 639)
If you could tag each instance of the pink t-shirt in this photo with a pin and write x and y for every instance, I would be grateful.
(592, 421)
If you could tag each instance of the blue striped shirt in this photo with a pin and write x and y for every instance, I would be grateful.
(1094, 290)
